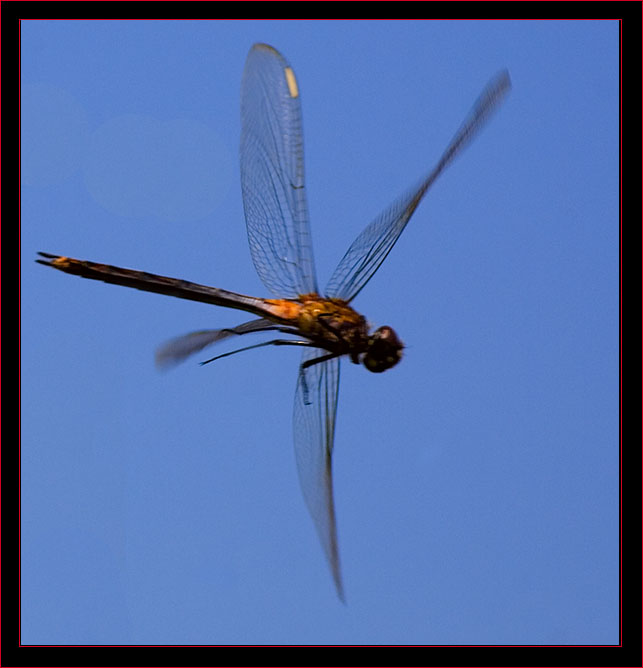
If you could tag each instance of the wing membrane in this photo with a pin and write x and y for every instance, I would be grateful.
(272, 174)
(371, 247)
(314, 430)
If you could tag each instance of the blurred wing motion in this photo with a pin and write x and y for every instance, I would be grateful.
(274, 198)
(314, 431)
(272, 175)
(180, 348)
(372, 246)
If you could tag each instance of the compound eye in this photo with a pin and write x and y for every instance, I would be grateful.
(384, 350)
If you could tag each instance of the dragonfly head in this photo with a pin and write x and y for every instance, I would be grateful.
(384, 350)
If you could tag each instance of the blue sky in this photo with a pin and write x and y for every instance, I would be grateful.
(476, 483)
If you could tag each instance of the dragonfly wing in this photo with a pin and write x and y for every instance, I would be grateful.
(272, 174)
(180, 348)
(314, 428)
(372, 246)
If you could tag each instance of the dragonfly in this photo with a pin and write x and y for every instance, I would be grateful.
(324, 324)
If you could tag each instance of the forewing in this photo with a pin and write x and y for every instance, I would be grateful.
(372, 246)
(272, 174)
(314, 428)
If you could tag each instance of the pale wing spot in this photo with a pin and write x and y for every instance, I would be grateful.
(292, 82)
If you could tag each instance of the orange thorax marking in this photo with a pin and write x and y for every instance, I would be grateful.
(305, 311)
(330, 320)
(284, 309)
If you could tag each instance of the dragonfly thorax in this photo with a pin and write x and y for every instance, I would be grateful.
(333, 325)
(384, 350)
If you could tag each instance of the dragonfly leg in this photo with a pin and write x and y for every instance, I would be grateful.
(329, 326)
(339, 333)
(276, 342)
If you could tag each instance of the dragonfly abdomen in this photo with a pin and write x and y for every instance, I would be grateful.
(142, 280)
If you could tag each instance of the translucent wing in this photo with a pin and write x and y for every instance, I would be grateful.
(372, 246)
(314, 429)
(272, 174)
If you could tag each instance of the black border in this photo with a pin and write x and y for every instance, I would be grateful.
(628, 654)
